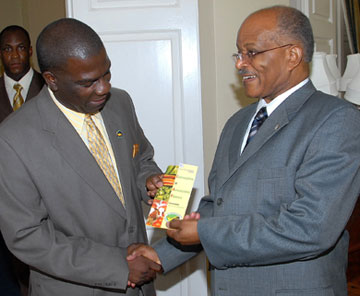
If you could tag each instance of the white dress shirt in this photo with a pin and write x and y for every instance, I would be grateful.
(25, 82)
(270, 107)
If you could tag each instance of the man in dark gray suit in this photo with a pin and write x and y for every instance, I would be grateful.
(75, 164)
(285, 176)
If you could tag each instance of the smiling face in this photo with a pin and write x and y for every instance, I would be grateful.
(15, 54)
(267, 74)
(82, 85)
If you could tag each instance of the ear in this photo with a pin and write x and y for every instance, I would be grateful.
(51, 80)
(296, 55)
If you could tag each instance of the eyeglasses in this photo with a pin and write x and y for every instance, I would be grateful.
(251, 54)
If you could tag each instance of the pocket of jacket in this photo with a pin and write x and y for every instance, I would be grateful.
(328, 291)
(274, 189)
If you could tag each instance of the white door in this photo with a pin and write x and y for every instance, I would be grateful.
(154, 49)
(323, 18)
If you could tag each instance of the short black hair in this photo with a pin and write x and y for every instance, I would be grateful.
(65, 38)
(14, 28)
(295, 25)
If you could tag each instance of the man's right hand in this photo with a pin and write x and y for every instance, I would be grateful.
(136, 250)
(142, 270)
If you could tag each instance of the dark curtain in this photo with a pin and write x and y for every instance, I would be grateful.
(352, 22)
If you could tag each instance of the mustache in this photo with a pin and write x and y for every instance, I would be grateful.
(244, 72)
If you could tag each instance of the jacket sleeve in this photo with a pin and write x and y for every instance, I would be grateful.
(147, 165)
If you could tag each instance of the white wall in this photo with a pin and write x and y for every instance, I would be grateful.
(222, 93)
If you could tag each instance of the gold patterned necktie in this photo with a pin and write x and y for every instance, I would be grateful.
(99, 150)
(18, 99)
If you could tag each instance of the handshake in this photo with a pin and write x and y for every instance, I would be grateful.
(144, 262)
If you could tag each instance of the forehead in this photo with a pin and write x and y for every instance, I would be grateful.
(91, 67)
(258, 28)
(16, 36)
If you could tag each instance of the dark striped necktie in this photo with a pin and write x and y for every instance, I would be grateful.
(258, 121)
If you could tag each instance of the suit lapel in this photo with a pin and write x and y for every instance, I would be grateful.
(114, 122)
(271, 126)
(5, 106)
(274, 124)
(36, 85)
(238, 136)
(73, 150)
(229, 150)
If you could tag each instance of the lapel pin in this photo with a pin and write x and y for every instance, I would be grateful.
(277, 126)
(119, 133)
(135, 150)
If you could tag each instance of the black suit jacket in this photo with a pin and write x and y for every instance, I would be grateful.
(36, 85)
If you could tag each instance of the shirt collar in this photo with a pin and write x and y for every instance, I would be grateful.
(67, 110)
(24, 81)
(270, 107)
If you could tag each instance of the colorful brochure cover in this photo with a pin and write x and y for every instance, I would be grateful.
(171, 200)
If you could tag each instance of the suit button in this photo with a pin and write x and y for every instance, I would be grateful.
(219, 201)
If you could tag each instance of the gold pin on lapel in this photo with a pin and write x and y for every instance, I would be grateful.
(119, 133)
(277, 126)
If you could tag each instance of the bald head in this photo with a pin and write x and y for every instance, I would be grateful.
(274, 52)
(63, 39)
(291, 24)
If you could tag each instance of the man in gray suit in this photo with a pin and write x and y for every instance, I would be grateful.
(15, 54)
(284, 179)
(75, 164)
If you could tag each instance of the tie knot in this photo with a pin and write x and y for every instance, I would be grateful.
(18, 87)
(88, 118)
(259, 119)
(262, 114)
(90, 124)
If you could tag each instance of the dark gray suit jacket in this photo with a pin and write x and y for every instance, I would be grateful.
(58, 212)
(36, 85)
(274, 221)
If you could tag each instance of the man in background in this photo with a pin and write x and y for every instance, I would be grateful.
(285, 177)
(18, 84)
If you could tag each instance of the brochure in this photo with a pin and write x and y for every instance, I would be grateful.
(171, 200)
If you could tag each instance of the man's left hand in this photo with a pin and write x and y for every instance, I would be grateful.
(184, 231)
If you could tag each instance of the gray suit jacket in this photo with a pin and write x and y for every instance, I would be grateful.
(11, 269)
(274, 221)
(58, 212)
